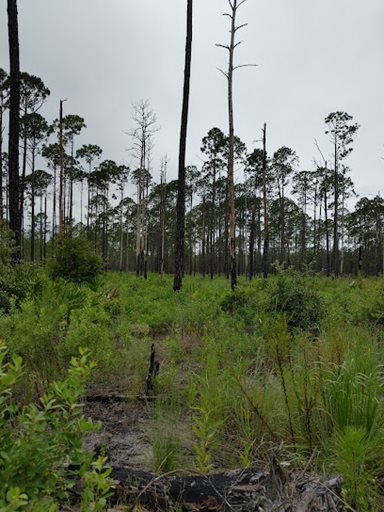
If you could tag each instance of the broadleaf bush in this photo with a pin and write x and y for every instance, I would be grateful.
(76, 261)
(41, 440)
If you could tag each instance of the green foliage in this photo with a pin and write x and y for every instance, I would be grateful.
(356, 458)
(375, 312)
(239, 373)
(167, 449)
(295, 295)
(75, 261)
(206, 423)
(39, 440)
(243, 302)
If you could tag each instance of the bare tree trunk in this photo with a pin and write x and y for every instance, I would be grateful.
(336, 217)
(231, 181)
(61, 179)
(45, 228)
(53, 235)
(213, 226)
(180, 206)
(1, 158)
(121, 259)
(138, 227)
(203, 241)
(226, 235)
(251, 267)
(41, 228)
(265, 202)
(14, 129)
(162, 219)
(88, 208)
(304, 229)
(33, 207)
(327, 233)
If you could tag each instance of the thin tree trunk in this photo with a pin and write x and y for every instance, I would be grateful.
(121, 258)
(53, 237)
(265, 201)
(304, 228)
(61, 179)
(336, 217)
(1, 159)
(252, 244)
(71, 188)
(231, 163)
(45, 228)
(226, 235)
(33, 206)
(203, 240)
(180, 206)
(327, 234)
(41, 227)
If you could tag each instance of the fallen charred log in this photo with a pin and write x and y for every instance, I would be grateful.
(239, 490)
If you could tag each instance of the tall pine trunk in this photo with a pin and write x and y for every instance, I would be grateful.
(180, 206)
(231, 163)
(265, 204)
(14, 129)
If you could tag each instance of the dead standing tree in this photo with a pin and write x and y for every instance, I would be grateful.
(180, 206)
(14, 129)
(142, 136)
(231, 47)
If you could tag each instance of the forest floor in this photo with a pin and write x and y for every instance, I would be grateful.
(288, 367)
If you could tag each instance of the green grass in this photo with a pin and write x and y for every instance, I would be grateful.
(294, 362)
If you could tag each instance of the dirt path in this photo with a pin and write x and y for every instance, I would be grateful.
(123, 435)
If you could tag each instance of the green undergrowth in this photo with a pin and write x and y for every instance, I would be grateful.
(293, 362)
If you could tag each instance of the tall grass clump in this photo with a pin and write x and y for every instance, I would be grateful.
(166, 440)
(351, 425)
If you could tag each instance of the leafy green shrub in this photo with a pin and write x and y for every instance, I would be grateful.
(39, 440)
(242, 302)
(75, 261)
(374, 312)
(295, 295)
(8, 285)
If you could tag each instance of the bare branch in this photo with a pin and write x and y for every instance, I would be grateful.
(231, 5)
(223, 46)
(321, 153)
(241, 3)
(237, 44)
(245, 66)
(240, 26)
(227, 14)
(224, 73)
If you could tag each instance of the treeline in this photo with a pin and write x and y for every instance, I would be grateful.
(67, 186)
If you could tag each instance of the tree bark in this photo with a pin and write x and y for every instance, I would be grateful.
(336, 216)
(231, 163)
(252, 236)
(265, 201)
(180, 206)
(236, 490)
(1, 158)
(327, 233)
(61, 178)
(33, 207)
(14, 129)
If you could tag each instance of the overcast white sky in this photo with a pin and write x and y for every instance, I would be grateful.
(313, 57)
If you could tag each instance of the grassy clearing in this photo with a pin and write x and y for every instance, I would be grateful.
(294, 362)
